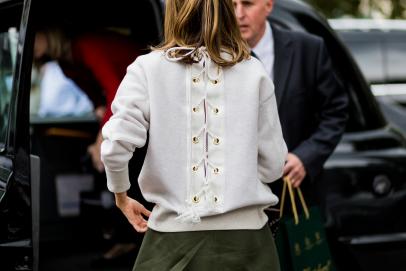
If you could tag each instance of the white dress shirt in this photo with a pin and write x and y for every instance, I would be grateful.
(264, 50)
(60, 96)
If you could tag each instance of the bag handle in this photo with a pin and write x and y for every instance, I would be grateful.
(287, 183)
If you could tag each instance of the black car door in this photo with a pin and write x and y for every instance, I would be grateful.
(18, 222)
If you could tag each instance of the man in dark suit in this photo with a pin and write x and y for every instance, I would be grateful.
(311, 102)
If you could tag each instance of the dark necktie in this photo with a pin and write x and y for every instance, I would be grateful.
(254, 55)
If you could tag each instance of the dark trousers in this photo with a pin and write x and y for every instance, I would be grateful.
(233, 250)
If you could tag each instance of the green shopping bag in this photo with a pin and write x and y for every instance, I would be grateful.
(301, 240)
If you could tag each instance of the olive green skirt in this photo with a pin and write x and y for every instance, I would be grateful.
(208, 251)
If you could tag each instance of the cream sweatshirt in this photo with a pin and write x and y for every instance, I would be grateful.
(215, 141)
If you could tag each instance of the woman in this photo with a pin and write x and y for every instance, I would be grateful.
(215, 142)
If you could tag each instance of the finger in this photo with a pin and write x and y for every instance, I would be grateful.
(137, 221)
(145, 211)
(144, 224)
(133, 220)
(138, 228)
(297, 183)
(298, 176)
(142, 227)
(287, 168)
(140, 219)
(292, 176)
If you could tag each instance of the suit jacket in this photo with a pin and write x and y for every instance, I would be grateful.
(312, 103)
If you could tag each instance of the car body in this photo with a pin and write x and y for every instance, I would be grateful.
(363, 187)
(379, 47)
(364, 181)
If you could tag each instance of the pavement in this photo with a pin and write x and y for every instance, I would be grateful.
(79, 256)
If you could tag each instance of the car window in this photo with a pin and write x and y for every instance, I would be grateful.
(363, 113)
(8, 45)
(369, 55)
(396, 53)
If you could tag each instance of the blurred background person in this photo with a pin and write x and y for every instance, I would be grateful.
(59, 96)
(92, 63)
(95, 61)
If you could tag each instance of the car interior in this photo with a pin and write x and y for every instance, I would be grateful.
(73, 197)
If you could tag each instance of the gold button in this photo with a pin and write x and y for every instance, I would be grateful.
(195, 139)
(195, 168)
(215, 81)
(216, 141)
(195, 79)
(195, 199)
(195, 109)
(216, 170)
(216, 110)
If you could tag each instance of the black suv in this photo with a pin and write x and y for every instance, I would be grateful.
(363, 187)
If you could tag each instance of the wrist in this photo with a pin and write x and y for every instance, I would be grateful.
(121, 198)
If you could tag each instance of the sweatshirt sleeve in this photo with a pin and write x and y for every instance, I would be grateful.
(272, 150)
(126, 129)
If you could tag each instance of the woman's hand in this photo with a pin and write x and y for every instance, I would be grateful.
(94, 151)
(133, 211)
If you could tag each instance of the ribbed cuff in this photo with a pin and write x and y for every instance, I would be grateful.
(118, 181)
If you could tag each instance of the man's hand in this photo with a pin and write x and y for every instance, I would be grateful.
(133, 211)
(294, 170)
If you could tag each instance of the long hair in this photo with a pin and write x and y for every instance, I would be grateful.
(58, 45)
(208, 23)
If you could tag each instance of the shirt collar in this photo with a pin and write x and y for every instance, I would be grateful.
(262, 46)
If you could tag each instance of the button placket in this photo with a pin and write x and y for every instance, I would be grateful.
(206, 175)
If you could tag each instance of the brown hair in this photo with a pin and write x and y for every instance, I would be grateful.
(58, 46)
(58, 43)
(209, 23)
